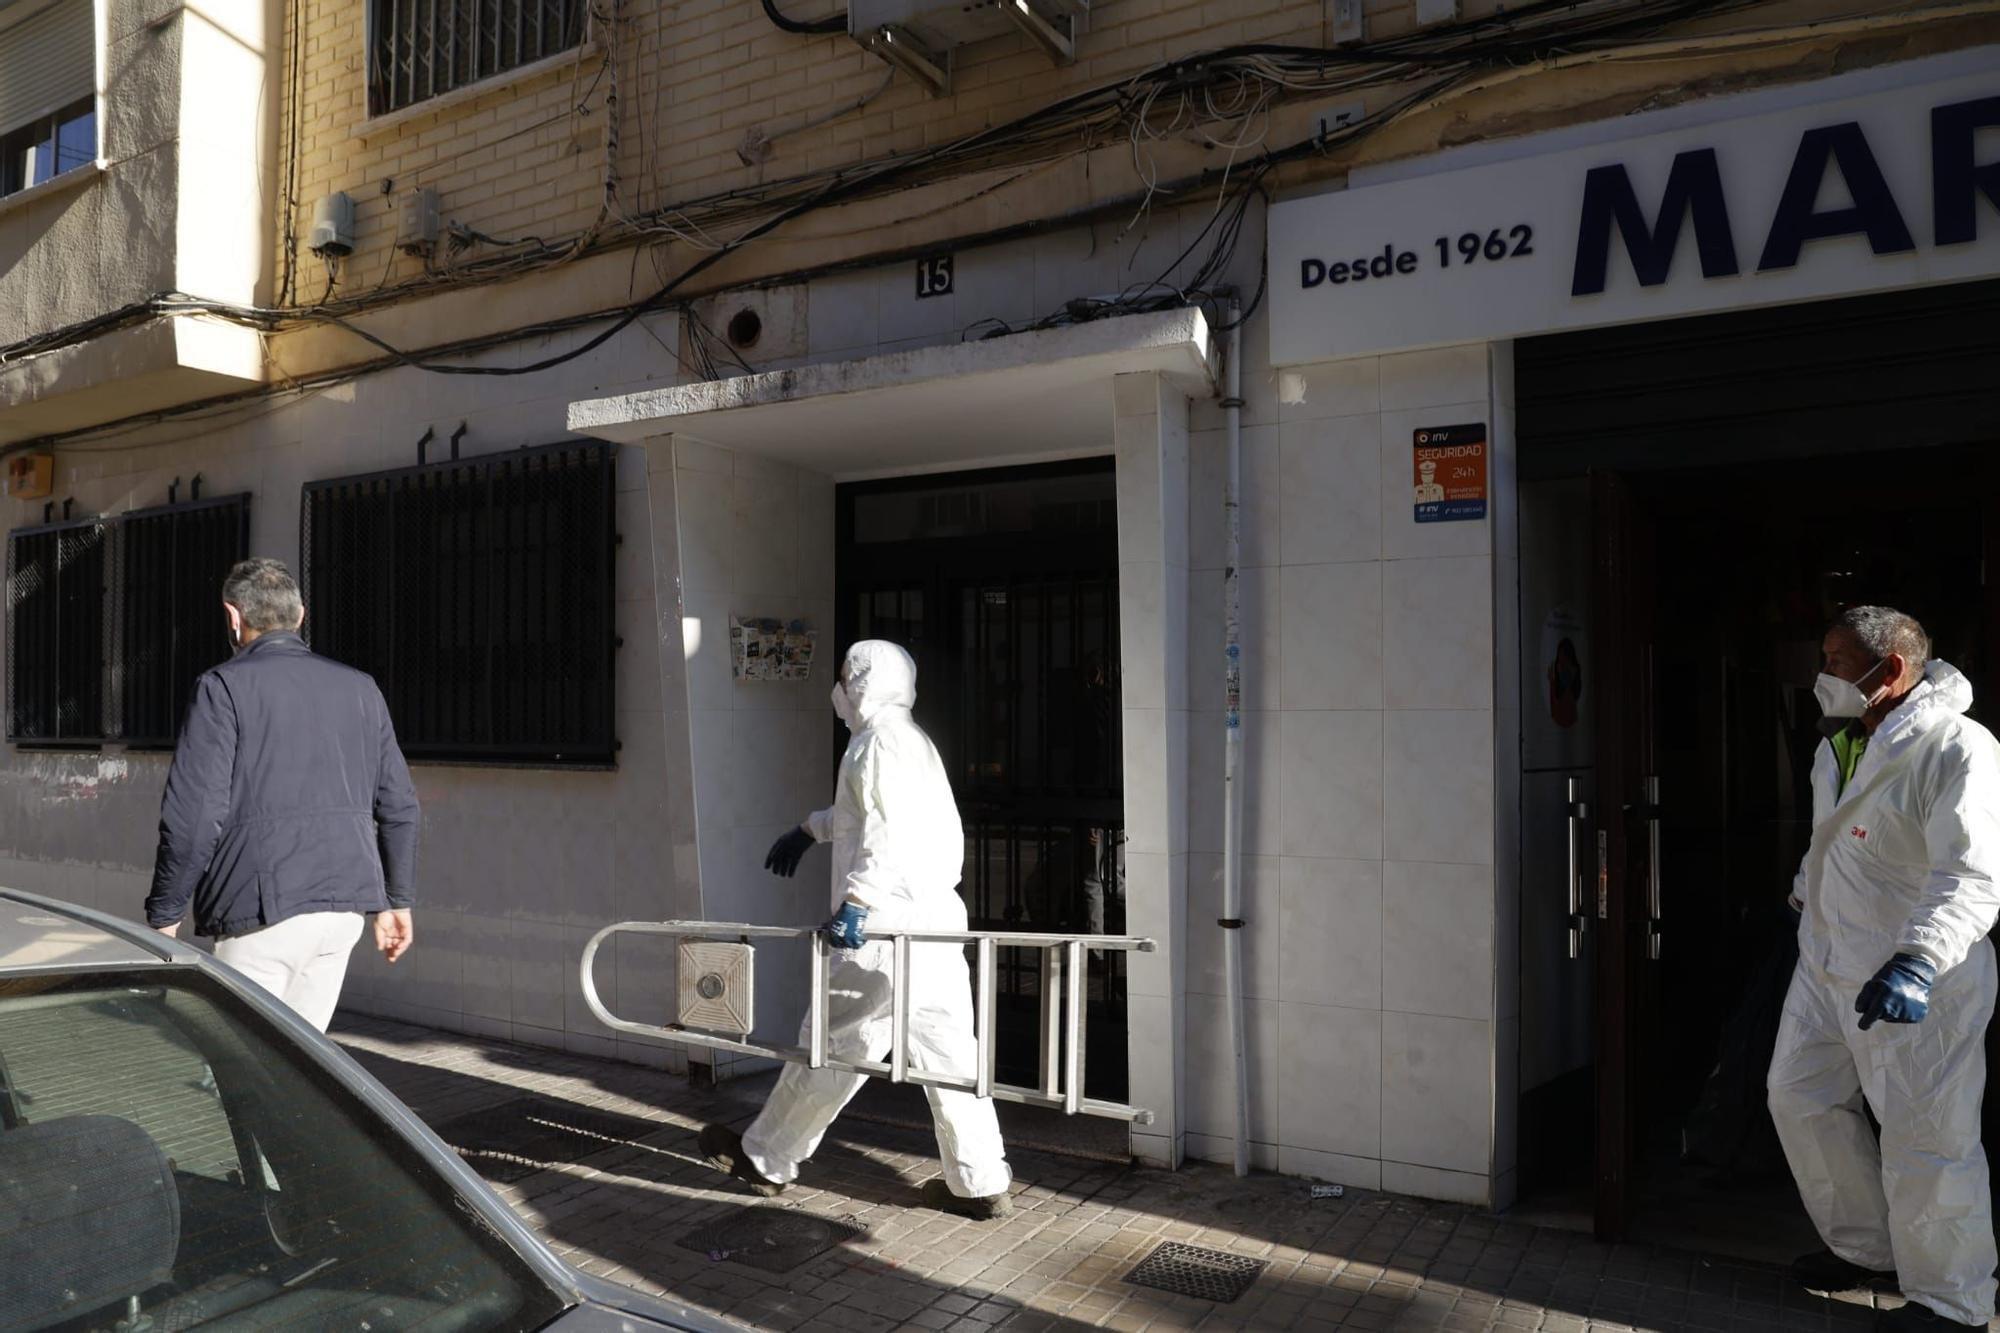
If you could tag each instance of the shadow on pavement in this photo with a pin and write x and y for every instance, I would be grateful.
(1367, 1261)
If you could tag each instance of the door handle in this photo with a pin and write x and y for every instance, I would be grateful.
(1579, 920)
(1653, 897)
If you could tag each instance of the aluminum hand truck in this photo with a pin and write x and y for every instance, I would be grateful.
(717, 971)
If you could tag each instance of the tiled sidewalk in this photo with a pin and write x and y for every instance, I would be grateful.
(1368, 1261)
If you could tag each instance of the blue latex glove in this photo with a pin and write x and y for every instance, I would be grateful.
(1899, 993)
(844, 927)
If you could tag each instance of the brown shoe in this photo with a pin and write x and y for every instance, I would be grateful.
(986, 1208)
(723, 1147)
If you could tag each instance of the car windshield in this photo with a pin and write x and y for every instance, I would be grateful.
(169, 1159)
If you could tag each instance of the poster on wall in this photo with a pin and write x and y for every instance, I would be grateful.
(767, 649)
(1449, 467)
(1563, 643)
(1558, 661)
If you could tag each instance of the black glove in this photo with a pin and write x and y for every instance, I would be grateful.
(786, 853)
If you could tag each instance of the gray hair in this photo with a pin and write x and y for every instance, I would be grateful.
(266, 594)
(1883, 631)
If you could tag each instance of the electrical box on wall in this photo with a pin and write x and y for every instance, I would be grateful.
(919, 36)
(30, 476)
(417, 221)
(1345, 23)
(332, 233)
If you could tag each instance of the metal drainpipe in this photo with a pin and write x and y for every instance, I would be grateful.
(1232, 751)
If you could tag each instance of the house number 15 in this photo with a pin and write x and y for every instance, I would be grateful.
(933, 276)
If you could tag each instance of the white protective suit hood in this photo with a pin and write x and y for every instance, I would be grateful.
(880, 676)
(1943, 692)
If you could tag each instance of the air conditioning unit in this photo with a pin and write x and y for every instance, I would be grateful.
(918, 37)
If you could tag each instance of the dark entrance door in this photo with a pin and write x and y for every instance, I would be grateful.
(1711, 589)
(1004, 587)
(1622, 862)
(1749, 475)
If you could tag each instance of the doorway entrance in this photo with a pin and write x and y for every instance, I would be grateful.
(1676, 581)
(1004, 586)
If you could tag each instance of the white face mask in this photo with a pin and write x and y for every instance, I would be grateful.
(842, 705)
(1843, 698)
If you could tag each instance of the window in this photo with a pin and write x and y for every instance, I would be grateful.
(48, 147)
(48, 86)
(110, 620)
(56, 633)
(418, 49)
(188, 1165)
(171, 563)
(479, 595)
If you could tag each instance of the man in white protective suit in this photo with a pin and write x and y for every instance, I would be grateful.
(898, 850)
(1895, 980)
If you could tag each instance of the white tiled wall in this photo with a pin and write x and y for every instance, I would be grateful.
(1370, 790)
(756, 541)
(1151, 433)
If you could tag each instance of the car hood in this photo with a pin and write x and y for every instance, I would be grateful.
(611, 1307)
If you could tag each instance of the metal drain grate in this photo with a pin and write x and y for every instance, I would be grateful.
(1190, 1270)
(776, 1240)
(515, 1139)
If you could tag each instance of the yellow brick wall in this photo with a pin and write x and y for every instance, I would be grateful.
(528, 156)
(693, 78)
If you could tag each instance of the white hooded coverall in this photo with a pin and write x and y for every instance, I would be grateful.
(898, 850)
(1903, 860)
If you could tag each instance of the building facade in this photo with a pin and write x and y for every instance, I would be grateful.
(559, 355)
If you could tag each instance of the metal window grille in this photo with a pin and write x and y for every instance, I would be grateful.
(167, 612)
(110, 620)
(419, 49)
(1040, 778)
(1004, 586)
(56, 633)
(479, 594)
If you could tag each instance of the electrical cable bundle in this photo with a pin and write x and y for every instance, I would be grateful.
(1234, 87)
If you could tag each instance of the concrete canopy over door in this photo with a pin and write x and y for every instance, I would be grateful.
(1016, 399)
(741, 475)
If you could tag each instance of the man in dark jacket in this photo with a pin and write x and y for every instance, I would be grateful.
(289, 814)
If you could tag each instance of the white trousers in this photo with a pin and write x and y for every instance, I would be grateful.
(302, 960)
(1918, 1202)
(941, 1041)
